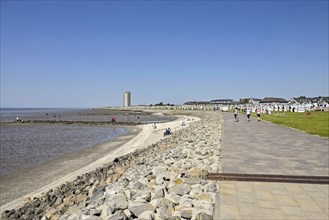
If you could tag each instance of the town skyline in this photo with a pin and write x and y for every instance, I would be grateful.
(245, 100)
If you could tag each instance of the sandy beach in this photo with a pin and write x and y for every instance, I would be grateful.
(30, 183)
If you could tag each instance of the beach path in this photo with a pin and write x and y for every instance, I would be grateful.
(265, 148)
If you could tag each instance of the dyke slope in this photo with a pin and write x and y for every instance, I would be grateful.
(165, 180)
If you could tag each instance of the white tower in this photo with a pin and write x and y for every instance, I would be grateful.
(126, 99)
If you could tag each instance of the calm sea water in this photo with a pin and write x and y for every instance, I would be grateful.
(24, 145)
(10, 114)
(95, 115)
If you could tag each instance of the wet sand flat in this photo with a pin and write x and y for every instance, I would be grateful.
(23, 182)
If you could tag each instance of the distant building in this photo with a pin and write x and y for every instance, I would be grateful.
(222, 101)
(270, 100)
(126, 99)
(197, 103)
(315, 101)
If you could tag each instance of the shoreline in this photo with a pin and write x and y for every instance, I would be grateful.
(31, 181)
(23, 185)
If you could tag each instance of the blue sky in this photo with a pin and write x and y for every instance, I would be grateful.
(87, 53)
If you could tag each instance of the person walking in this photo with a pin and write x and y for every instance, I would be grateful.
(236, 114)
(258, 111)
(248, 114)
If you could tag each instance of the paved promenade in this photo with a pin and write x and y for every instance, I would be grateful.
(265, 148)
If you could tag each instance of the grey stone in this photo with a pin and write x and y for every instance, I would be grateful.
(128, 194)
(180, 189)
(205, 198)
(159, 170)
(165, 213)
(119, 215)
(139, 185)
(159, 180)
(117, 202)
(201, 205)
(139, 208)
(176, 215)
(148, 215)
(165, 203)
(90, 217)
(173, 197)
(212, 187)
(117, 186)
(203, 216)
(150, 177)
(51, 213)
(143, 196)
(187, 214)
(160, 193)
(127, 213)
(75, 216)
(196, 189)
(96, 212)
(95, 192)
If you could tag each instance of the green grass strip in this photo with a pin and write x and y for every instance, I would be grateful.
(316, 123)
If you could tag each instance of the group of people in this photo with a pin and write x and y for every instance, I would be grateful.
(248, 112)
(19, 120)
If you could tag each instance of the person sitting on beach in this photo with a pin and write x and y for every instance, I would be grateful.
(167, 132)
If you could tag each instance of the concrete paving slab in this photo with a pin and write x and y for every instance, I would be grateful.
(265, 148)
